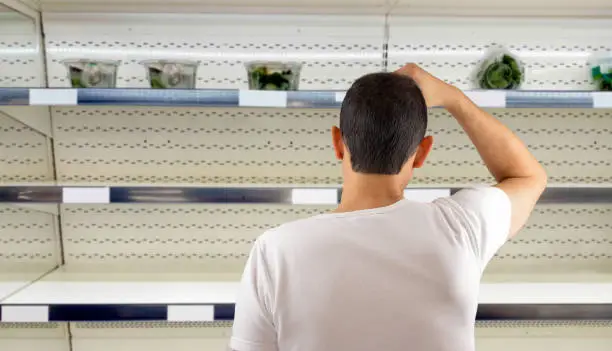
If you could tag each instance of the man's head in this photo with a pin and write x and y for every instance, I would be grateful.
(383, 121)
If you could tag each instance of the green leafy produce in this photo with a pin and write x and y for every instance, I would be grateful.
(75, 78)
(91, 74)
(501, 73)
(262, 79)
(156, 78)
(171, 75)
(602, 79)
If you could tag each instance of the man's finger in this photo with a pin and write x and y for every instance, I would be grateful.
(410, 69)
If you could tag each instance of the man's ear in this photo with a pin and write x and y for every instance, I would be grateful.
(337, 142)
(422, 151)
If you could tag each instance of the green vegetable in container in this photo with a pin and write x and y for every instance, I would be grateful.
(156, 78)
(166, 74)
(602, 79)
(501, 72)
(84, 73)
(75, 77)
(262, 79)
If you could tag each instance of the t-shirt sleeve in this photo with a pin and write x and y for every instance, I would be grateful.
(253, 328)
(485, 214)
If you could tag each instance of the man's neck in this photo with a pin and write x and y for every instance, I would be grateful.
(366, 192)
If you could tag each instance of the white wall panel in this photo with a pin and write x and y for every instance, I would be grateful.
(19, 51)
(544, 335)
(549, 8)
(34, 337)
(171, 238)
(560, 242)
(412, 7)
(27, 239)
(490, 336)
(194, 336)
(279, 146)
(24, 154)
(29, 247)
(342, 7)
(334, 49)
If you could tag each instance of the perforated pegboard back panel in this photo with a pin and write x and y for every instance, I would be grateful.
(280, 146)
(334, 49)
(560, 242)
(493, 336)
(568, 240)
(204, 238)
(550, 8)
(544, 335)
(121, 330)
(20, 63)
(555, 52)
(33, 330)
(24, 154)
(151, 336)
(28, 240)
(34, 337)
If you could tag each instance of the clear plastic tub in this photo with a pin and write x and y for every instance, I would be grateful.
(500, 70)
(166, 74)
(601, 71)
(266, 75)
(85, 73)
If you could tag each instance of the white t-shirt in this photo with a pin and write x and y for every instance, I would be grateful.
(402, 277)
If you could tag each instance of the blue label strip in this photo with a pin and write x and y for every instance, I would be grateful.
(15, 96)
(101, 313)
(225, 312)
(158, 97)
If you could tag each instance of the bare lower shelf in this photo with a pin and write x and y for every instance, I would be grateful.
(81, 296)
(12, 281)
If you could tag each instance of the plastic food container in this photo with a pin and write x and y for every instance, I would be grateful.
(165, 74)
(92, 73)
(500, 70)
(273, 75)
(601, 71)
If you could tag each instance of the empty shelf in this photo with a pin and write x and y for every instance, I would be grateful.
(65, 296)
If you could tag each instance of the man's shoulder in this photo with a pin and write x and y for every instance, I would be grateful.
(293, 231)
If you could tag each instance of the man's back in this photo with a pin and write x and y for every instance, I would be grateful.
(383, 273)
(399, 277)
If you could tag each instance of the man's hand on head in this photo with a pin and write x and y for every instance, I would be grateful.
(437, 93)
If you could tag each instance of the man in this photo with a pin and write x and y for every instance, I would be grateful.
(381, 272)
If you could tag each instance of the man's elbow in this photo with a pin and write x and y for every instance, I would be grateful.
(541, 179)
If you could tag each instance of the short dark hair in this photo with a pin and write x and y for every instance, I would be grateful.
(383, 119)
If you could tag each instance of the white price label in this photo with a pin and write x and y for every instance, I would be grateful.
(261, 98)
(314, 196)
(99, 195)
(53, 97)
(602, 100)
(191, 313)
(487, 98)
(25, 314)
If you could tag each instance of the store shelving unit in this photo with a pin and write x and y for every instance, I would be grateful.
(126, 214)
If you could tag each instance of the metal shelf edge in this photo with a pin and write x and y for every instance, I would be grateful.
(277, 195)
(225, 312)
(277, 99)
